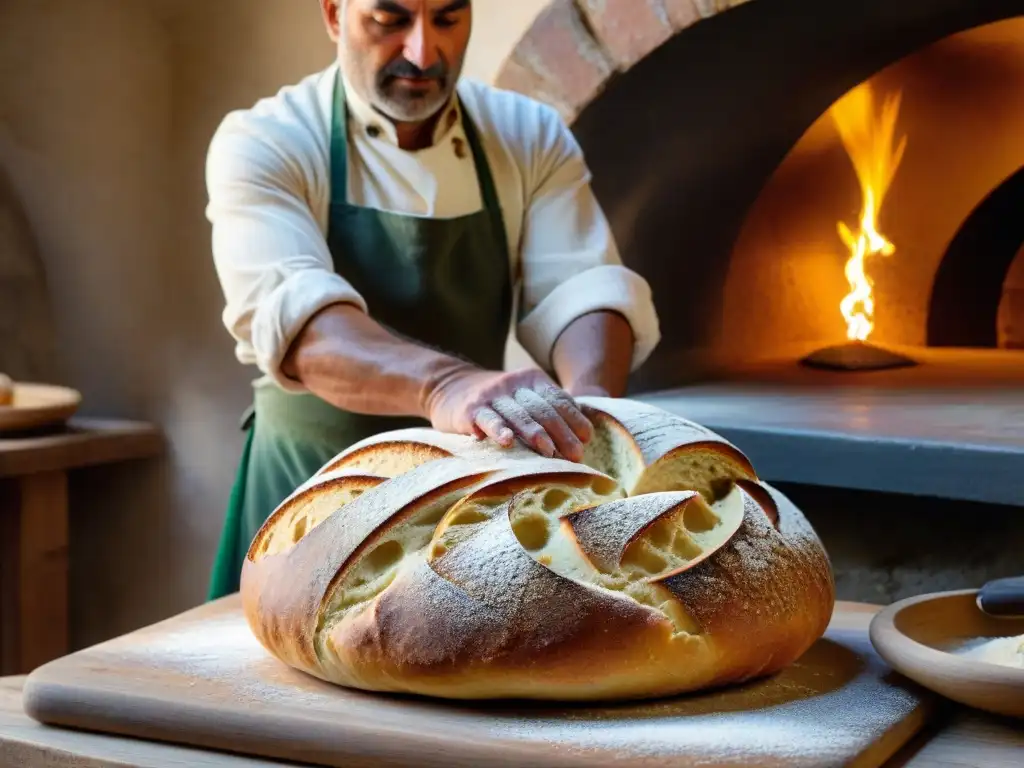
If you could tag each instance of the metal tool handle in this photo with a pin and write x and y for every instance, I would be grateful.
(1003, 598)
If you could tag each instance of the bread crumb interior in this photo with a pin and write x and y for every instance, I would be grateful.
(305, 512)
(668, 545)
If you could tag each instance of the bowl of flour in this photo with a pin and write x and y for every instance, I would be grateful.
(947, 644)
(1005, 651)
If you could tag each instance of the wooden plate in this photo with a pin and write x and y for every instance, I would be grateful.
(919, 637)
(38, 405)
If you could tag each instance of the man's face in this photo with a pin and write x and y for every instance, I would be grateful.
(403, 56)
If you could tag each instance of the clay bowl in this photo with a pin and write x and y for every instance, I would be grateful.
(918, 637)
(38, 405)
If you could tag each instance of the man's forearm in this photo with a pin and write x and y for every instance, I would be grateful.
(351, 361)
(594, 355)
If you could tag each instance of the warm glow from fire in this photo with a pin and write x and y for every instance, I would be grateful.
(868, 138)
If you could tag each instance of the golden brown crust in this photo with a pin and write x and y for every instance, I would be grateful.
(283, 594)
(339, 482)
(493, 614)
(401, 450)
(657, 432)
(660, 439)
(764, 498)
(487, 609)
(766, 595)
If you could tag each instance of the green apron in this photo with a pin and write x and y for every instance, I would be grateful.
(442, 282)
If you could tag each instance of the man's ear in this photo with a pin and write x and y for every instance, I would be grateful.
(332, 10)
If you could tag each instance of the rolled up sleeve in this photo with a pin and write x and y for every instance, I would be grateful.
(269, 250)
(569, 261)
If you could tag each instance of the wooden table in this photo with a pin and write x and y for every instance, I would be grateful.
(34, 529)
(965, 739)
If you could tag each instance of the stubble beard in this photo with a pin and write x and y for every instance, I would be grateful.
(406, 105)
(395, 101)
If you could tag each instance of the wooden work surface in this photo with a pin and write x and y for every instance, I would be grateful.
(964, 739)
(202, 679)
(951, 427)
(81, 443)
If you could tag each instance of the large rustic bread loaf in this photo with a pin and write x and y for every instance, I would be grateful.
(441, 565)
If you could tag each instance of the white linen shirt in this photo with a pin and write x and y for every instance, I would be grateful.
(268, 178)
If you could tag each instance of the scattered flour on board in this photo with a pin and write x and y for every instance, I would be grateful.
(1005, 651)
(828, 729)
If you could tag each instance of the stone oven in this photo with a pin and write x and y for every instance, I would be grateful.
(792, 175)
(710, 128)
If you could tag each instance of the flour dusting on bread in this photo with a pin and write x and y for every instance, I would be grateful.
(442, 565)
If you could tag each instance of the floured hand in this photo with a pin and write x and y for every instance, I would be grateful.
(505, 405)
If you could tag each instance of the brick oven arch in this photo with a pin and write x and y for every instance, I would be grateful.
(685, 108)
(574, 47)
(968, 287)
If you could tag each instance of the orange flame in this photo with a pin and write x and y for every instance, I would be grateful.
(868, 139)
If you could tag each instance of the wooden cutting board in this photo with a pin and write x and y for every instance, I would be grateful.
(201, 679)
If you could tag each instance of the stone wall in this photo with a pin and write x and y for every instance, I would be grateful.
(887, 547)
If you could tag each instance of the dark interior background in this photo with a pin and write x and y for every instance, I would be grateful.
(968, 287)
(682, 143)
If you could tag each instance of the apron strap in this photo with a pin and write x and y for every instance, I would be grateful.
(225, 575)
(339, 141)
(488, 191)
(248, 418)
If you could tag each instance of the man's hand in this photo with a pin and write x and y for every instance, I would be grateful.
(341, 350)
(502, 406)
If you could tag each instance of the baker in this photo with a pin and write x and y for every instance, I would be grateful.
(376, 229)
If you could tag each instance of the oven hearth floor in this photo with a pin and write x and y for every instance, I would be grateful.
(951, 427)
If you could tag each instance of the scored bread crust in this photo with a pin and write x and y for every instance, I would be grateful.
(392, 453)
(643, 444)
(476, 572)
